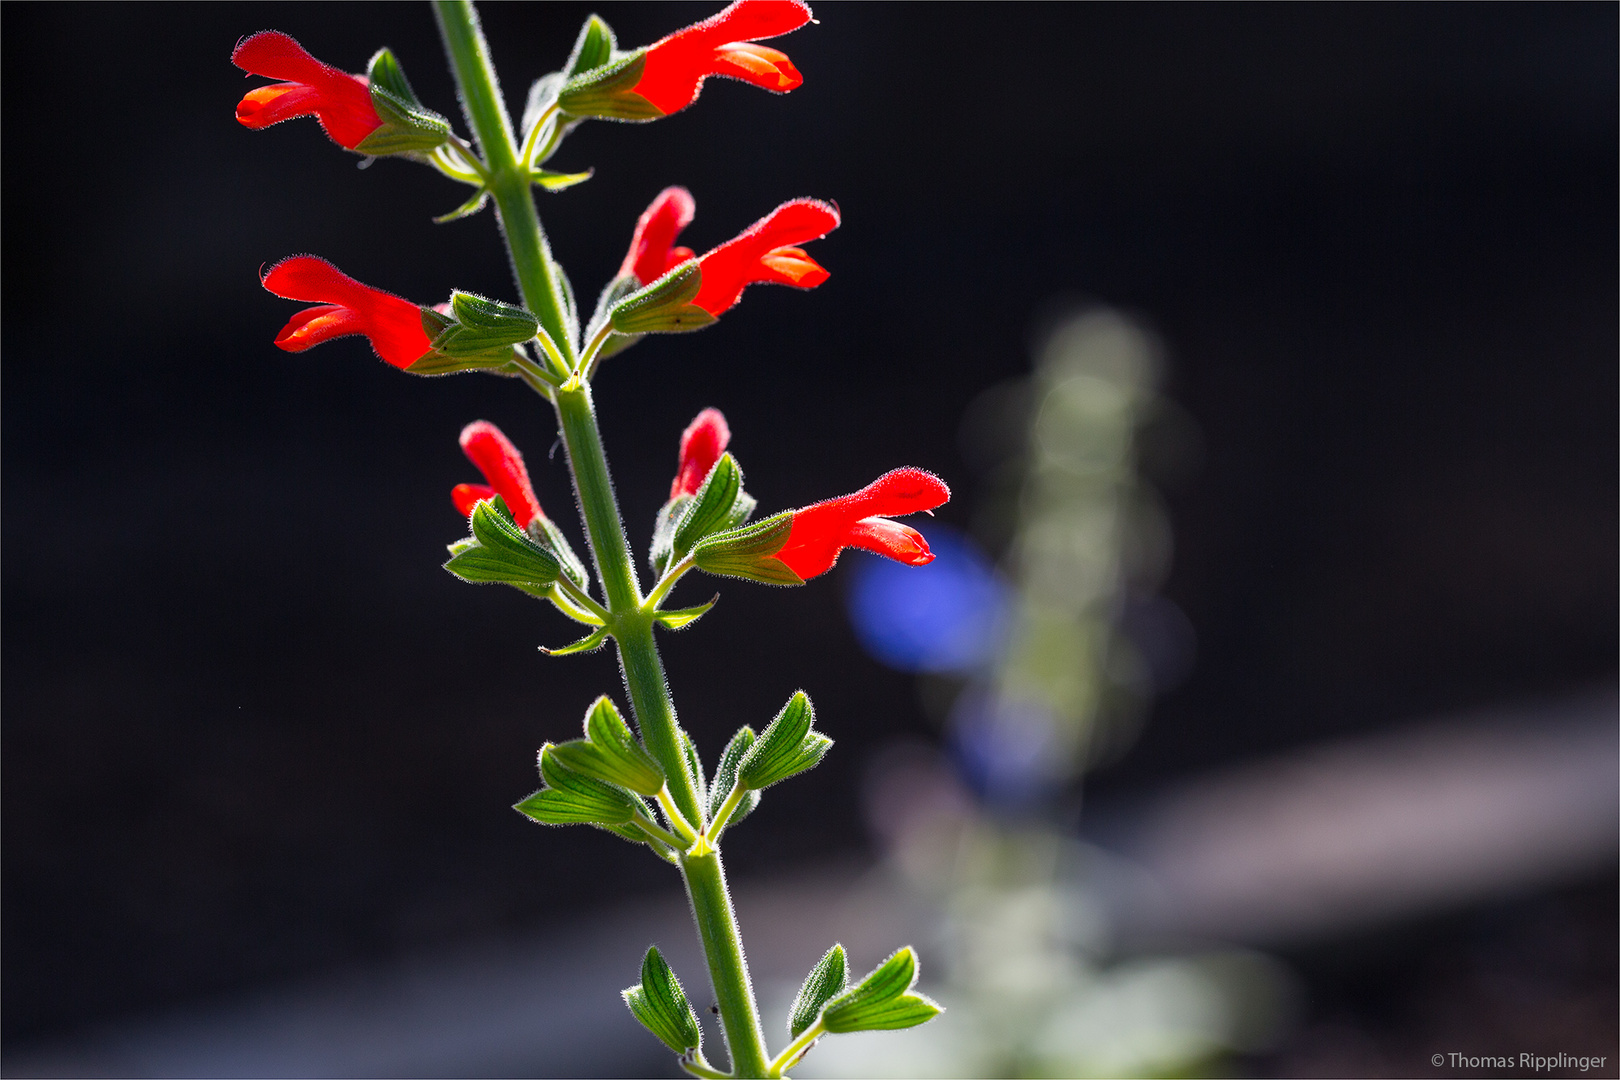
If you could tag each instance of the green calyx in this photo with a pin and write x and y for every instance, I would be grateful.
(408, 126)
(571, 797)
(478, 333)
(664, 306)
(610, 752)
(721, 503)
(881, 1001)
(786, 748)
(659, 1002)
(499, 551)
(725, 778)
(749, 552)
(607, 92)
(828, 978)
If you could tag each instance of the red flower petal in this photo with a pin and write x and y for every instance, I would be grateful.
(676, 66)
(702, 443)
(765, 252)
(467, 496)
(340, 101)
(651, 253)
(503, 467)
(393, 325)
(821, 531)
(314, 325)
(892, 540)
(761, 65)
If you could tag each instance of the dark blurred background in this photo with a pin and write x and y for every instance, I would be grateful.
(253, 732)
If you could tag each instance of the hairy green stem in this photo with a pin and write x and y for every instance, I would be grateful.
(631, 624)
(728, 968)
(509, 180)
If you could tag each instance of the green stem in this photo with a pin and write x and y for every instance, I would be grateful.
(699, 1066)
(509, 180)
(797, 1049)
(632, 627)
(728, 968)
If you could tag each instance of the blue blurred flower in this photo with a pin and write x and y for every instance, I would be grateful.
(946, 616)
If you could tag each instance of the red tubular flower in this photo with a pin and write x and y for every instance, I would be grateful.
(340, 101)
(764, 253)
(722, 45)
(503, 467)
(393, 325)
(702, 443)
(821, 531)
(652, 254)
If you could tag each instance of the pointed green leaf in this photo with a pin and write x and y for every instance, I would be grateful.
(725, 778)
(589, 643)
(829, 977)
(466, 209)
(592, 49)
(607, 92)
(659, 1002)
(882, 1000)
(557, 181)
(665, 306)
(749, 552)
(710, 508)
(787, 746)
(683, 617)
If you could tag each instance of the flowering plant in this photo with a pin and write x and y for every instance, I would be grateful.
(644, 783)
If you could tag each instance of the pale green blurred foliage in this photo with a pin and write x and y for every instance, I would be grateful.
(1030, 984)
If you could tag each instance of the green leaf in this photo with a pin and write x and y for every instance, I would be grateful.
(466, 209)
(694, 767)
(710, 508)
(557, 181)
(611, 753)
(665, 306)
(570, 797)
(683, 617)
(830, 976)
(503, 552)
(545, 532)
(589, 643)
(725, 778)
(882, 1000)
(749, 552)
(787, 747)
(663, 540)
(607, 92)
(592, 49)
(659, 1002)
